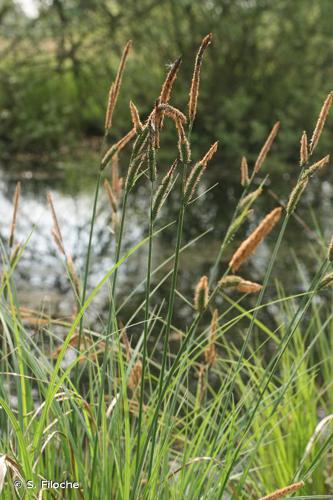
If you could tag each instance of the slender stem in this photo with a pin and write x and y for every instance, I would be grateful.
(146, 321)
(87, 266)
(166, 383)
(269, 374)
(110, 320)
(258, 303)
(170, 307)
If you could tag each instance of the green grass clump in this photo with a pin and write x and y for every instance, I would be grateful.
(235, 403)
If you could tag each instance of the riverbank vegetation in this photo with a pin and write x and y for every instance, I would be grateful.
(235, 402)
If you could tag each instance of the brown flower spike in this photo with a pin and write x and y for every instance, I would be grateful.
(239, 284)
(197, 171)
(56, 233)
(201, 295)
(194, 92)
(111, 196)
(282, 492)
(266, 147)
(303, 152)
(116, 148)
(135, 376)
(252, 242)
(210, 350)
(244, 172)
(115, 87)
(169, 81)
(321, 122)
(135, 117)
(16, 200)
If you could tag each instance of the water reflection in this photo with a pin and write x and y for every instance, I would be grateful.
(41, 278)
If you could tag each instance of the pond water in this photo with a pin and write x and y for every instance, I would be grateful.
(41, 279)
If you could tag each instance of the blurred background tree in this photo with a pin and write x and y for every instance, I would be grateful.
(270, 60)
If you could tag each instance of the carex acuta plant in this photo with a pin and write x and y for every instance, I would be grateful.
(149, 429)
(184, 409)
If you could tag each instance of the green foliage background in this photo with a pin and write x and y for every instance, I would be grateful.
(271, 59)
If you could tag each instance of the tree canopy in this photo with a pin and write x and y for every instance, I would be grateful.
(270, 60)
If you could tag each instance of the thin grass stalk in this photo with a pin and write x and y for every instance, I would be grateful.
(254, 316)
(189, 336)
(291, 378)
(87, 267)
(258, 302)
(111, 320)
(172, 295)
(169, 376)
(269, 372)
(20, 362)
(146, 317)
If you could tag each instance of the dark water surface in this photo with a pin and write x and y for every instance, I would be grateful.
(40, 275)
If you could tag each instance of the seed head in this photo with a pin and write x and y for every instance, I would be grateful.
(239, 284)
(163, 191)
(250, 198)
(115, 87)
(196, 173)
(321, 122)
(56, 233)
(183, 143)
(73, 276)
(169, 81)
(135, 376)
(246, 286)
(316, 166)
(266, 147)
(210, 351)
(201, 295)
(16, 200)
(283, 491)
(194, 91)
(116, 181)
(326, 281)
(135, 117)
(171, 112)
(116, 148)
(303, 152)
(252, 242)
(296, 194)
(244, 172)
(111, 196)
(330, 251)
